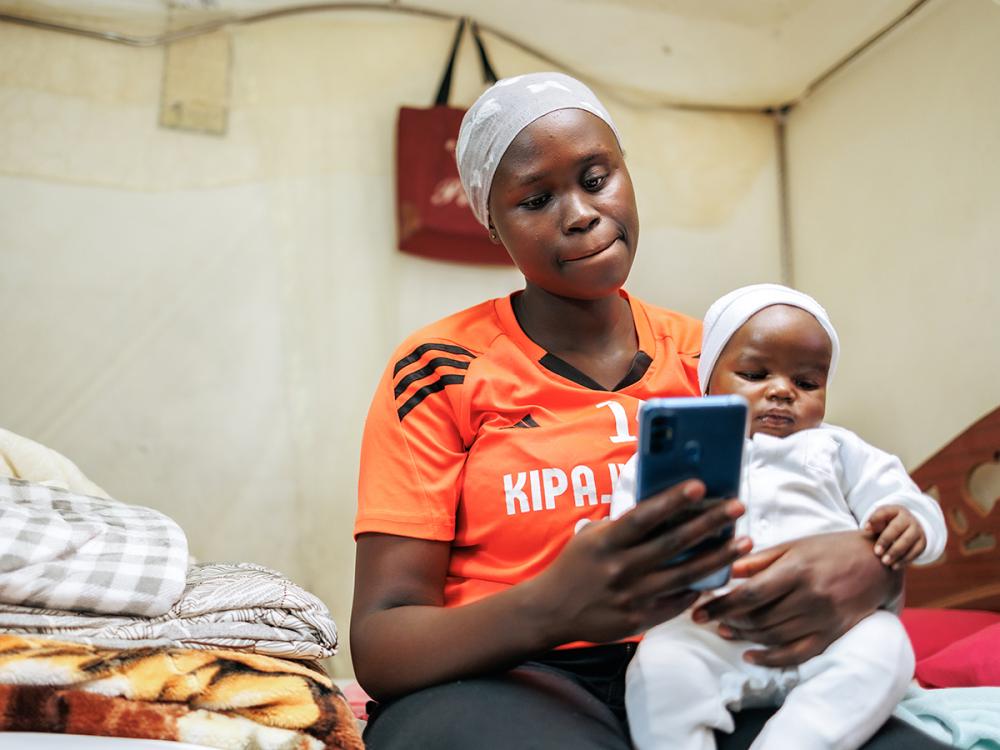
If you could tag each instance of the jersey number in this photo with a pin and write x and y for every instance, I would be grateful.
(622, 434)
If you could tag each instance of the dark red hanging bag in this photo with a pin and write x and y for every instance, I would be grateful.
(433, 217)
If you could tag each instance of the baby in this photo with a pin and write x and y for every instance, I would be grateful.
(777, 348)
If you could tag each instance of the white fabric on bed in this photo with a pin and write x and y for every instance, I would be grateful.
(23, 458)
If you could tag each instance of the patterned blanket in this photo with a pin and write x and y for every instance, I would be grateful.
(215, 698)
(224, 605)
(64, 550)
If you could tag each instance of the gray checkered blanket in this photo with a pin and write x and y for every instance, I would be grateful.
(66, 551)
(224, 605)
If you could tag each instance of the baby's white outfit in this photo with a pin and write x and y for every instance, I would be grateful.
(685, 679)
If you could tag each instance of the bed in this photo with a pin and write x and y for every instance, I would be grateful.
(960, 476)
(952, 615)
(953, 606)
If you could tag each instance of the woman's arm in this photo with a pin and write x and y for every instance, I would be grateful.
(801, 596)
(608, 583)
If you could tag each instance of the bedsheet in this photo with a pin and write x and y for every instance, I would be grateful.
(967, 718)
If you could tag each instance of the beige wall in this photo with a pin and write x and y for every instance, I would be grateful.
(895, 188)
(198, 321)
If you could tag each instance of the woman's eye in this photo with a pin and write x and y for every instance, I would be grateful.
(533, 204)
(595, 182)
(752, 375)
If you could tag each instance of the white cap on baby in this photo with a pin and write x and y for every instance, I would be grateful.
(728, 313)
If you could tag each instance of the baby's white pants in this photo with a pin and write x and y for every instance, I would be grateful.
(685, 679)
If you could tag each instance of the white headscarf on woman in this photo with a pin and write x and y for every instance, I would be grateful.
(503, 111)
(728, 313)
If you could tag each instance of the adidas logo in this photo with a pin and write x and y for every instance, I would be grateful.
(526, 421)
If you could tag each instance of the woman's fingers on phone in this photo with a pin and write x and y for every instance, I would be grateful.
(636, 525)
(659, 548)
(706, 524)
(680, 577)
(697, 528)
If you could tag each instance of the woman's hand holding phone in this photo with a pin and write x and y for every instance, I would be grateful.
(610, 580)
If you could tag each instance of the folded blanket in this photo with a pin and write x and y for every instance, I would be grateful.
(214, 698)
(224, 605)
(967, 718)
(63, 550)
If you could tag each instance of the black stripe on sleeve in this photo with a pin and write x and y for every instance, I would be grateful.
(438, 385)
(417, 353)
(428, 369)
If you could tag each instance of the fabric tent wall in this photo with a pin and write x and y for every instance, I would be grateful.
(894, 188)
(199, 321)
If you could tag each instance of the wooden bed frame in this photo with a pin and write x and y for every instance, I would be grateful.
(968, 575)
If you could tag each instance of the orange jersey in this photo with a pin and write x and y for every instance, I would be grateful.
(479, 437)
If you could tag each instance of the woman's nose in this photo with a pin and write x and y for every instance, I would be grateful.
(578, 214)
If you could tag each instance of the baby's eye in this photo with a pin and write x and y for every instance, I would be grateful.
(752, 374)
(807, 385)
(535, 203)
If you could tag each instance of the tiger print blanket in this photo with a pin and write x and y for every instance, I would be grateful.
(214, 698)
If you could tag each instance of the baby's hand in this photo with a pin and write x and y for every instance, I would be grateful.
(899, 537)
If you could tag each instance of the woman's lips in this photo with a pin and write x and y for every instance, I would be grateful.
(590, 253)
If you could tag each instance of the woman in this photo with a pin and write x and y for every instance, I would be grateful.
(496, 430)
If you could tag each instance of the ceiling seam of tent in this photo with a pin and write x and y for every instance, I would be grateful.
(855, 53)
(607, 89)
(611, 91)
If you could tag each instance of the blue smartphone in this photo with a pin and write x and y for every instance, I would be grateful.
(693, 438)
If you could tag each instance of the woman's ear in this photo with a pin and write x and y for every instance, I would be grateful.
(494, 237)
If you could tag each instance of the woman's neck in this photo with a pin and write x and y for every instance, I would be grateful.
(567, 327)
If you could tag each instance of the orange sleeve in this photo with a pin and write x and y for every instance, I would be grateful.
(412, 458)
